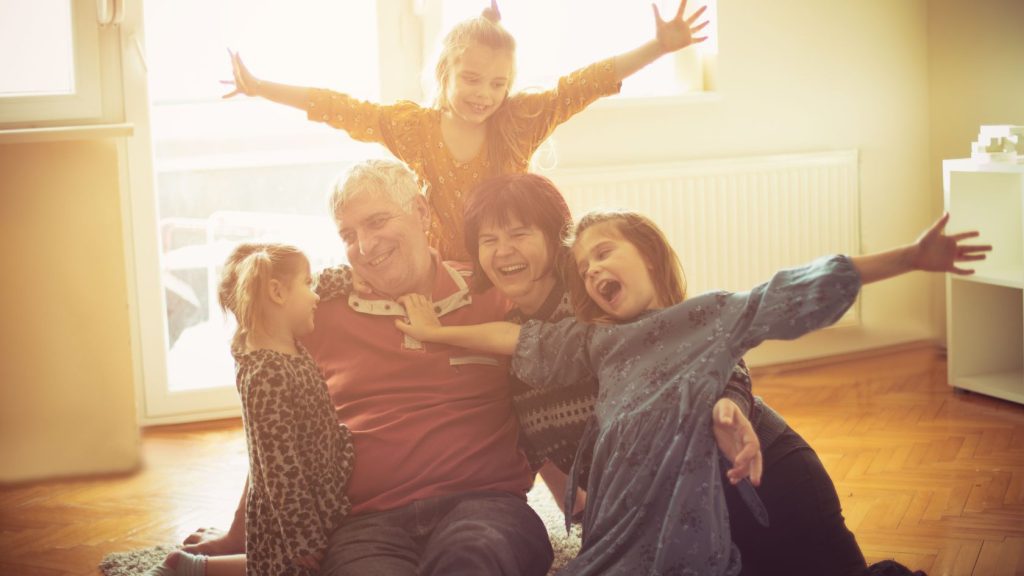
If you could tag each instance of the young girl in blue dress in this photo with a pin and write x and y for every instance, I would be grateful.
(655, 502)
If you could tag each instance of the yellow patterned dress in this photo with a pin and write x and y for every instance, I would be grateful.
(413, 134)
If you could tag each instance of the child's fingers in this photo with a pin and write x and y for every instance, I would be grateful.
(698, 28)
(657, 14)
(757, 469)
(965, 235)
(693, 17)
(681, 10)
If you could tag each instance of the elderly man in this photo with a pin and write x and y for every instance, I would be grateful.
(439, 485)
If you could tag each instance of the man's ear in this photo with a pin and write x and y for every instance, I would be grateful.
(276, 290)
(421, 208)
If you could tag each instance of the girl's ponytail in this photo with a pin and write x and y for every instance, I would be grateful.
(245, 278)
(492, 14)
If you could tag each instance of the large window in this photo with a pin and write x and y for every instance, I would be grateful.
(209, 172)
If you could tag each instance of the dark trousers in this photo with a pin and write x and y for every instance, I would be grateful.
(481, 533)
(807, 534)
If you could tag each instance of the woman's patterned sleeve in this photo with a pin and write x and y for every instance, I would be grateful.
(794, 302)
(334, 282)
(739, 388)
(549, 355)
(268, 409)
(573, 94)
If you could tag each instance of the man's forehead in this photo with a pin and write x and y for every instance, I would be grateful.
(366, 205)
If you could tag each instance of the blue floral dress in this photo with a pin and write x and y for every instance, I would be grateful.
(655, 503)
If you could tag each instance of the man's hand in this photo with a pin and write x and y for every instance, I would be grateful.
(738, 441)
(310, 562)
(214, 542)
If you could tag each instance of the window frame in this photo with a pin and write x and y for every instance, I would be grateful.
(96, 98)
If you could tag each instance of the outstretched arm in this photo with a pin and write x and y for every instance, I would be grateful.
(245, 83)
(493, 337)
(670, 36)
(933, 251)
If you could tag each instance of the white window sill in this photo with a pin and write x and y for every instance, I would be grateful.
(59, 133)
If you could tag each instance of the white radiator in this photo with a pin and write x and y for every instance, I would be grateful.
(735, 221)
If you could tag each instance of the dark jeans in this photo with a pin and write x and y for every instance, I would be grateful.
(480, 533)
(807, 534)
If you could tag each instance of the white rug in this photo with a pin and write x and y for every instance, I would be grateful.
(135, 562)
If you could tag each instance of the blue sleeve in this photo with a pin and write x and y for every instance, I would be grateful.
(549, 355)
(794, 302)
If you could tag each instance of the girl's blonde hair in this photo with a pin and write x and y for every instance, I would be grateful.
(666, 271)
(246, 277)
(504, 153)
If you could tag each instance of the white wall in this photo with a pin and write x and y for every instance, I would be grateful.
(807, 75)
(67, 401)
(976, 76)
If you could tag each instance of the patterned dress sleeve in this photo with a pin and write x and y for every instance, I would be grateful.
(579, 89)
(549, 355)
(269, 406)
(397, 126)
(334, 282)
(794, 302)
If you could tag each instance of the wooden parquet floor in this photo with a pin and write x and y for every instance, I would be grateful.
(930, 477)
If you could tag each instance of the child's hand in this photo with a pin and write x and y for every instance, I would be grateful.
(422, 320)
(244, 82)
(937, 252)
(676, 34)
(738, 441)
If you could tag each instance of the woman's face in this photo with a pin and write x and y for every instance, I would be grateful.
(516, 259)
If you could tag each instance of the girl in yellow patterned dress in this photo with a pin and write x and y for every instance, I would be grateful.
(475, 128)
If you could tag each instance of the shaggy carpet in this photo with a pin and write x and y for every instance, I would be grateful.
(136, 562)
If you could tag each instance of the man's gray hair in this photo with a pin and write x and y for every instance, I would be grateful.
(389, 179)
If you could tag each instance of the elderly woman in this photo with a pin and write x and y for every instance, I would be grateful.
(515, 227)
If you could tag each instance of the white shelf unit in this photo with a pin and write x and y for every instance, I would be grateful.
(985, 311)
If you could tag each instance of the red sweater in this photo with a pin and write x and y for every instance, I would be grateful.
(425, 422)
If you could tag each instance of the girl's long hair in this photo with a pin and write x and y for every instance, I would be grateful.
(666, 271)
(245, 280)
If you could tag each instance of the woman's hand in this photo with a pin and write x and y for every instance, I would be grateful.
(738, 441)
(421, 319)
(677, 33)
(937, 252)
(244, 82)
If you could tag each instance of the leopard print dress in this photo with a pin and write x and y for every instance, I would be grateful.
(300, 460)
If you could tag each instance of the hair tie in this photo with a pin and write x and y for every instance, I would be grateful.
(492, 14)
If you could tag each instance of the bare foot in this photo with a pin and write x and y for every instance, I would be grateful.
(214, 542)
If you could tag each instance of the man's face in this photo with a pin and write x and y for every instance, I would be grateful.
(386, 245)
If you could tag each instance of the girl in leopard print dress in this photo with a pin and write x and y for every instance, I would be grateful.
(300, 458)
